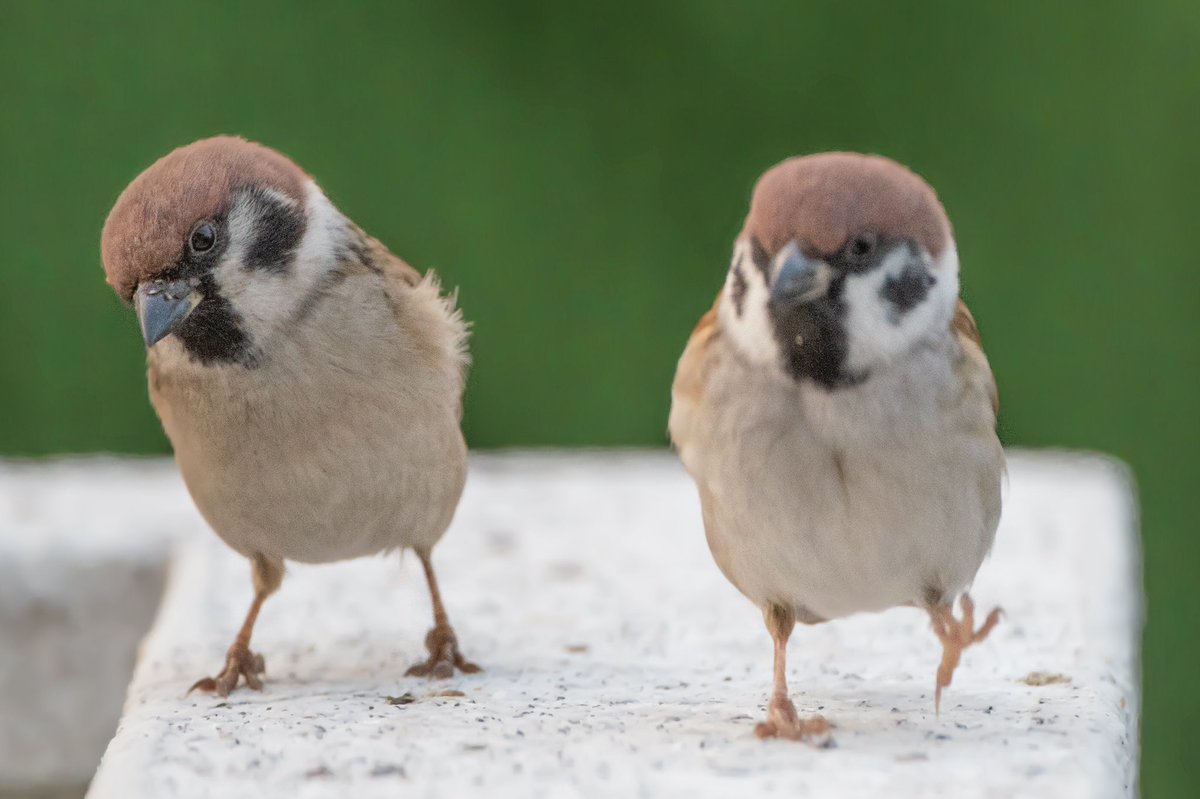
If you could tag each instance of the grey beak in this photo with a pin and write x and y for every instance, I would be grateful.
(797, 278)
(162, 305)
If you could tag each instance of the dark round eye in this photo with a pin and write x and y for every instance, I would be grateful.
(861, 246)
(203, 237)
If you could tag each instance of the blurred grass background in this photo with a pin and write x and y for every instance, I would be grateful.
(580, 173)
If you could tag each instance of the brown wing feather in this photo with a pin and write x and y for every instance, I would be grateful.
(435, 331)
(376, 256)
(964, 324)
(967, 331)
(691, 376)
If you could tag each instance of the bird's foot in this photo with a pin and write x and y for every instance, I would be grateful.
(956, 635)
(444, 656)
(782, 722)
(240, 662)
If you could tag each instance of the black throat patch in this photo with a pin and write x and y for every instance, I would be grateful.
(212, 332)
(812, 338)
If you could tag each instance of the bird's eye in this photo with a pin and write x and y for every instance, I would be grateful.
(861, 246)
(203, 238)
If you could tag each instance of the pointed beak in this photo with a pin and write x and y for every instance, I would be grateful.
(799, 278)
(162, 305)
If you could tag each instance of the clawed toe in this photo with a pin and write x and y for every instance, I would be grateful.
(240, 663)
(444, 657)
(956, 635)
(783, 722)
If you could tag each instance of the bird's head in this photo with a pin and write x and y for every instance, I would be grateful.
(216, 243)
(846, 263)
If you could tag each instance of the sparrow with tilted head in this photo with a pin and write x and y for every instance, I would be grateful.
(837, 412)
(310, 381)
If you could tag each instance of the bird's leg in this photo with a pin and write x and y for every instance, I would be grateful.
(956, 635)
(782, 721)
(441, 641)
(240, 662)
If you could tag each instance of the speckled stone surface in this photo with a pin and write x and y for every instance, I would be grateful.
(620, 663)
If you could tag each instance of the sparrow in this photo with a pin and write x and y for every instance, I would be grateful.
(837, 413)
(310, 381)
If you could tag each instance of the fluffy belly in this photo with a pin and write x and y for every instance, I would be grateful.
(848, 533)
(319, 515)
(342, 486)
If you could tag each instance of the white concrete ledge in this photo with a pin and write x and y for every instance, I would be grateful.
(619, 661)
(83, 556)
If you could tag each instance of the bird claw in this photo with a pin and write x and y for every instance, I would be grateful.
(956, 635)
(241, 663)
(444, 656)
(783, 722)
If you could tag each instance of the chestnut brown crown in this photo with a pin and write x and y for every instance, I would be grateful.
(148, 228)
(821, 200)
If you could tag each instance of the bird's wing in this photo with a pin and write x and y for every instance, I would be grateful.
(691, 377)
(392, 266)
(974, 366)
(435, 331)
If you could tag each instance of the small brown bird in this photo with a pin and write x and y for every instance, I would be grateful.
(310, 381)
(837, 412)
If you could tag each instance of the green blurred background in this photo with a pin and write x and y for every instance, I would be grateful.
(580, 174)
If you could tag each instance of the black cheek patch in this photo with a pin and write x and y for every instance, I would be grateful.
(280, 228)
(761, 258)
(908, 289)
(739, 288)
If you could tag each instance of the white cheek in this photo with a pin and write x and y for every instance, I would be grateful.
(751, 329)
(874, 332)
(325, 227)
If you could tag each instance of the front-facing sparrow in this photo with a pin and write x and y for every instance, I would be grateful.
(837, 412)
